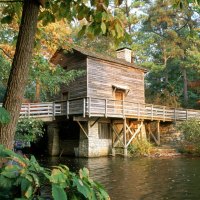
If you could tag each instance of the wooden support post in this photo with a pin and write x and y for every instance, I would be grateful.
(123, 111)
(83, 107)
(158, 132)
(124, 138)
(119, 136)
(67, 110)
(124, 132)
(113, 151)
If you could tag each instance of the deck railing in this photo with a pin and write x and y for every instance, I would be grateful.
(98, 107)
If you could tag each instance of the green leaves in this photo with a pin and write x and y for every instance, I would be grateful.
(29, 130)
(7, 19)
(103, 27)
(4, 116)
(47, 17)
(28, 174)
(58, 193)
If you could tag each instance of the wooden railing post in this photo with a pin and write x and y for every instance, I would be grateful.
(123, 109)
(163, 113)
(151, 112)
(53, 109)
(29, 110)
(174, 114)
(67, 110)
(83, 107)
(186, 114)
(138, 110)
(89, 105)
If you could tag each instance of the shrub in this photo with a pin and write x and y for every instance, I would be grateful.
(29, 130)
(191, 134)
(141, 147)
(26, 175)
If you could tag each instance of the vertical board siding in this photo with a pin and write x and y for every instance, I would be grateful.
(78, 87)
(103, 74)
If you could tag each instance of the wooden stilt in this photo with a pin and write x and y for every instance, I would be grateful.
(158, 132)
(124, 138)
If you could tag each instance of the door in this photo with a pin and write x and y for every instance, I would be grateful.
(119, 98)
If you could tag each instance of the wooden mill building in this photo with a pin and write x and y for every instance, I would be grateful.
(104, 108)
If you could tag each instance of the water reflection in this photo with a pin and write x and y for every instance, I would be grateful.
(141, 178)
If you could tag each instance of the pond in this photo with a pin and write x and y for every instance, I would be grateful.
(141, 178)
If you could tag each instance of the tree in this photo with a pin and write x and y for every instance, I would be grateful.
(98, 21)
(166, 38)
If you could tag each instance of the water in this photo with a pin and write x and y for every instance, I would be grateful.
(141, 178)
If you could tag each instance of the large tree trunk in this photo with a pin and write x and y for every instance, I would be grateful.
(185, 87)
(19, 71)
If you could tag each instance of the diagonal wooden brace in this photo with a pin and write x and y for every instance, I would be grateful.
(84, 131)
(134, 135)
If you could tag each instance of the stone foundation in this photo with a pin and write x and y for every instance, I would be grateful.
(168, 133)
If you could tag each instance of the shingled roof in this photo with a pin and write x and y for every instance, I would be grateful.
(58, 56)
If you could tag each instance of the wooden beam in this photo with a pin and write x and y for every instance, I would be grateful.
(152, 135)
(119, 136)
(158, 132)
(124, 133)
(82, 129)
(129, 128)
(83, 119)
(84, 107)
(134, 135)
(94, 122)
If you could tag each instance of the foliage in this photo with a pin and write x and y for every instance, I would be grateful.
(29, 130)
(191, 133)
(4, 116)
(190, 130)
(26, 175)
(140, 147)
(167, 43)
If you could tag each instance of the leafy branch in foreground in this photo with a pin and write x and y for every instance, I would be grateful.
(27, 177)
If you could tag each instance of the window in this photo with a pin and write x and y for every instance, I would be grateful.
(65, 96)
(104, 131)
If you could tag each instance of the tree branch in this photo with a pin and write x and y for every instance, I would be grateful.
(6, 53)
(14, 1)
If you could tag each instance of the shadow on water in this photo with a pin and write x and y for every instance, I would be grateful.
(140, 178)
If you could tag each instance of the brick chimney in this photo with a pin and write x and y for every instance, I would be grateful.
(125, 54)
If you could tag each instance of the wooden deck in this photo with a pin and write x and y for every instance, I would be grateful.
(96, 107)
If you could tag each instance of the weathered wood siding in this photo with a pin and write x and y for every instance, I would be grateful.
(78, 87)
(103, 74)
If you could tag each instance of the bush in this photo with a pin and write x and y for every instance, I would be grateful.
(26, 176)
(141, 147)
(29, 130)
(191, 135)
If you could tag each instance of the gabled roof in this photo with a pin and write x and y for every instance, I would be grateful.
(60, 57)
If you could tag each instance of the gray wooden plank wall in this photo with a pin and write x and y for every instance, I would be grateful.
(103, 74)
